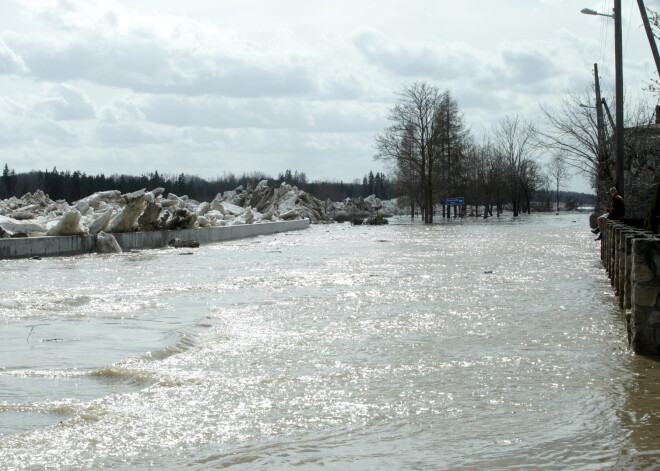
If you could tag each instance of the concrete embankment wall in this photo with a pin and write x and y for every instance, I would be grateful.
(74, 245)
(632, 259)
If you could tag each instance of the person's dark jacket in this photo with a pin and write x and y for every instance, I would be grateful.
(618, 208)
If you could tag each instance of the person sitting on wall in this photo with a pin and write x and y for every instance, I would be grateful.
(615, 213)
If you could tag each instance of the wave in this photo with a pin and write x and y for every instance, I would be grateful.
(142, 370)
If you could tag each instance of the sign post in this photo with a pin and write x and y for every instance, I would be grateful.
(456, 201)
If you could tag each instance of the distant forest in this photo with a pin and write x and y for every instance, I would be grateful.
(72, 186)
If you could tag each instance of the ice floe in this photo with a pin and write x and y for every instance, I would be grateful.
(107, 212)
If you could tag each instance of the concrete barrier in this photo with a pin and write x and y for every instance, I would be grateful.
(631, 257)
(75, 245)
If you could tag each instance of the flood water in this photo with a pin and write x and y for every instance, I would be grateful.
(475, 345)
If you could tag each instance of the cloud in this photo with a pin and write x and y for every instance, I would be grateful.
(341, 86)
(448, 62)
(106, 44)
(65, 102)
(50, 117)
(123, 135)
(10, 62)
(23, 132)
(522, 70)
(526, 67)
(258, 113)
(270, 85)
(148, 68)
(122, 109)
(53, 133)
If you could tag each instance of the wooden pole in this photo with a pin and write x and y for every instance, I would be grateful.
(649, 34)
(618, 59)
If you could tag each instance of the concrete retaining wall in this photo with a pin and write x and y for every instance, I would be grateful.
(74, 245)
(632, 260)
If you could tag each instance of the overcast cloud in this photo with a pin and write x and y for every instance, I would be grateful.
(208, 87)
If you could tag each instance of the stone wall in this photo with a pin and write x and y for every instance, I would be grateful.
(632, 260)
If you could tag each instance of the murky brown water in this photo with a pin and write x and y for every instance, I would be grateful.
(471, 346)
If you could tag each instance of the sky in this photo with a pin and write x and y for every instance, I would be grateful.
(209, 87)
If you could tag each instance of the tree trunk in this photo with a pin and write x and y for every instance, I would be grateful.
(529, 206)
(429, 200)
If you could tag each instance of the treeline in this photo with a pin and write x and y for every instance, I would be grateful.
(72, 186)
(546, 200)
(436, 157)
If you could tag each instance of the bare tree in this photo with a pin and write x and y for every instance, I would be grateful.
(482, 176)
(411, 139)
(425, 141)
(654, 19)
(407, 185)
(531, 179)
(571, 130)
(515, 141)
(557, 173)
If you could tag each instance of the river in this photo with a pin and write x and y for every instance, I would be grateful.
(467, 345)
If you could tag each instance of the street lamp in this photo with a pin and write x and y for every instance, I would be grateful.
(589, 11)
(618, 59)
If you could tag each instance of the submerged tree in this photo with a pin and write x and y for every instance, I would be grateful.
(454, 146)
(515, 142)
(557, 173)
(424, 142)
(411, 139)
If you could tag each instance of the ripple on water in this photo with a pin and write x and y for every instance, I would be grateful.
(332, 348)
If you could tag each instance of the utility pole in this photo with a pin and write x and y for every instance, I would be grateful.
(600, 124)
(599, 113)
(618, 59)
(609, 115)
(649, 34)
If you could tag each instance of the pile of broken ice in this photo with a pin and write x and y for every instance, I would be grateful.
(111, 212)
(359, 206)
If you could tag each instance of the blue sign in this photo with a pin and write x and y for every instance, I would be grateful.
(455, 201)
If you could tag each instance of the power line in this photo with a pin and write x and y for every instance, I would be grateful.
(606, 37)
(625, 49)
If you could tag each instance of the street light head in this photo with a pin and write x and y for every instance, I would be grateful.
(589, 11)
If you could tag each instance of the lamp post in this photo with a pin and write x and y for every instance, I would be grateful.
(618, 59)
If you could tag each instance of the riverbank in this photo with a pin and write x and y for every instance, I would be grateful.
(53, 246)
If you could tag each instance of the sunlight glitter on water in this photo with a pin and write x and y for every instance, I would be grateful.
(479, 345)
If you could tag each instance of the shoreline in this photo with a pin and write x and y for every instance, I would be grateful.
(58, 246)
